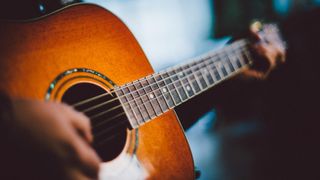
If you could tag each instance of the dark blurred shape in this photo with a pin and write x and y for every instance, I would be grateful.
(235, 16)
(28, 9)
(286, 106)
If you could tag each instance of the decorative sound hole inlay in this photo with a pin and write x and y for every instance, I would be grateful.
(108, 120)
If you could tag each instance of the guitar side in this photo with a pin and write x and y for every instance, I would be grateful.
(34, 53)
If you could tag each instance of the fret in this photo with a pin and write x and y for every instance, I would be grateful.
(177, 75)
(237, 52)
(160, 94)
(218, 67)
(238, 62)
(135, 90)
(210, 75)
(192, 79)
(132, 118)
(242, 53)
(188, 87)
(171, 88)
(242, 59)
(234, 60)
(153, 95)
(233, 57)
(198, 76)
(132, 102)
(214, 70)
(137, 100)
(229, 63)
(175, 80)
(186, 82)
(247, 57)
(145, 97)
(202, 72)
(227, 67)
(206, 73)
(164, 89)
(222, 68)
(203, 81)
(133, 105)
(183, 77)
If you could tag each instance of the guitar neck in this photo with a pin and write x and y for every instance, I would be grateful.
(151, 96)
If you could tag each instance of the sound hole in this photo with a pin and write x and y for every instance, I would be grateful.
(108, 121)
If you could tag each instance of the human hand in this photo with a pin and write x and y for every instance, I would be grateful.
(57, 138)
(268, 55)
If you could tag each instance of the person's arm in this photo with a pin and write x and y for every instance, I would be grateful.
(45, 140)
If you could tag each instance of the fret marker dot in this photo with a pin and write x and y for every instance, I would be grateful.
(151, 96)
(188, 88)
(164, 89)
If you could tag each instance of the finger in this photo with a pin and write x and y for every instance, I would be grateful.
(81, 123)
(254, 74)
(87, 159)
(268, 54)
(254, 31)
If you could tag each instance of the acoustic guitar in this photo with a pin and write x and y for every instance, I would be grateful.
(85, 56)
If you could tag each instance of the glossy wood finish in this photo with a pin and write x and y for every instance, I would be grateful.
(33, 53)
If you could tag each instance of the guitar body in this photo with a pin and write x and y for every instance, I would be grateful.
(43, 58)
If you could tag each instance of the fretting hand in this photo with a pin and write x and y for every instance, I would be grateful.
(268, 56)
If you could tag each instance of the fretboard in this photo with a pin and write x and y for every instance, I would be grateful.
(151, 96)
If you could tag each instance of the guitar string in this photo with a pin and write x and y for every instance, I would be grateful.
(104, 131)
(106, 140)
(153, 91)
(156, 97)
(241, 45)
(199, 70)
(213, 59)
(173, 82)
(97, 134)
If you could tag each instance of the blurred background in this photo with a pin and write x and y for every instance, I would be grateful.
(172, 31)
